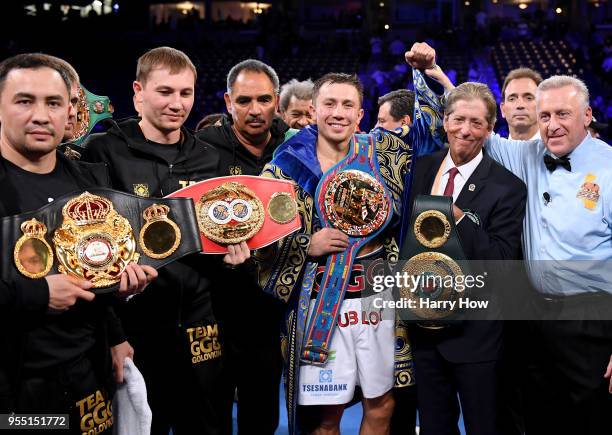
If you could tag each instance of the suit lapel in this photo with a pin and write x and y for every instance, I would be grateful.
(428, 176)
(475, 183)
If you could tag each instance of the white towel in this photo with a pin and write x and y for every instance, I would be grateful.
(130, 408)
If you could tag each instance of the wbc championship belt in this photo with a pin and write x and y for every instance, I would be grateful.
(91, 109)
(351, 197)
(96, 234)
(239, 208)
(434, 254)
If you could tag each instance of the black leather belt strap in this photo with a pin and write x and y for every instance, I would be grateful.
(432, 248)
(423, 203)
(178, 210)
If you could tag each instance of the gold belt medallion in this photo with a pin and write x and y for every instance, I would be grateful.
(432, 229)
(230, 213)
(434, 274)
(94, 242)
(159, 236)
(282, 208)
(32, 254)
(355, 203)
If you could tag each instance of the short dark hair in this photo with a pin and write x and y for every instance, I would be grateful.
(339, 78)
(163, 57)
(33, 61)
(520, 73)
(68, 69)
(252, 65)
(401, 102)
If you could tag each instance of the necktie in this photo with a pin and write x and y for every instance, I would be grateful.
(450, 184)
(552, 163)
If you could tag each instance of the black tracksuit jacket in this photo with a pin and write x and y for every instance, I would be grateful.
(23, 301)
(181, 294)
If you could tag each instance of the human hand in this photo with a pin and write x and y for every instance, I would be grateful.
(457, 213)
(65, 290)
(237, 254)
(327, 241)
(135, 278)
(608, 375)
(118, 355)
(421, 56)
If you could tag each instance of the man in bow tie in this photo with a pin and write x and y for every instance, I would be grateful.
(568, 174)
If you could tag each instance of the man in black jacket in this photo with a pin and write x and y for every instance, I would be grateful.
(58, 358)
(172, 326)
(246, 140)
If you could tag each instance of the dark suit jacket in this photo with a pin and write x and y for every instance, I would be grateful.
(498, 199)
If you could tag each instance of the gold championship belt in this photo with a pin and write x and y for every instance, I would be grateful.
(434, 251)
(240, 208)
(94, 242)
(96, 234)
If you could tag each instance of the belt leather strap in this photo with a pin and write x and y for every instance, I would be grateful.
(432, 248)
(162, 230)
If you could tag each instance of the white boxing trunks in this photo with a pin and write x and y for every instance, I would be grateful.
(361, 353)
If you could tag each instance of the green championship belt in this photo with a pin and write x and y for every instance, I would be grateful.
(91, 109)
(433, 252)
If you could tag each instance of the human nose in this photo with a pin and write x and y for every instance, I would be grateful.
(553, 124)
(175, 102)
(464, 128)
(40, 114)
(255, 108)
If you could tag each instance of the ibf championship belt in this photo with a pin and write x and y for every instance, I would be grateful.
(433, 248)
(91, 109)
(96, 234)
(239, 208)
(351, 197)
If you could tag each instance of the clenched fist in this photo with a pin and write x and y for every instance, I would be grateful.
(421, 56)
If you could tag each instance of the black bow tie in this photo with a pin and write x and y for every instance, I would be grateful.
(552, 163)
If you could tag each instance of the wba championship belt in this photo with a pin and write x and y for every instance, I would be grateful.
(239, 208)
(433, 248)
(91, 109)
(96, 234)
(353, 198)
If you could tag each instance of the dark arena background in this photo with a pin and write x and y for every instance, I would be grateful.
(476, 40)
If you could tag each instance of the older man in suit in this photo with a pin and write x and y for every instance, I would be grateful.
(489, 206)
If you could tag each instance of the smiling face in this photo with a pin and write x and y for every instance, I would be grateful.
(518, 107)
(33, 111)
(164, 101)
(299, 113)
(252, 104)
(467, 128)
(338, 112)
(563, 119)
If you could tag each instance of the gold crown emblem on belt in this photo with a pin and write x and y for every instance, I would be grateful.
(94, 242)
(88, 209)
(156, 212)
(33, 228)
